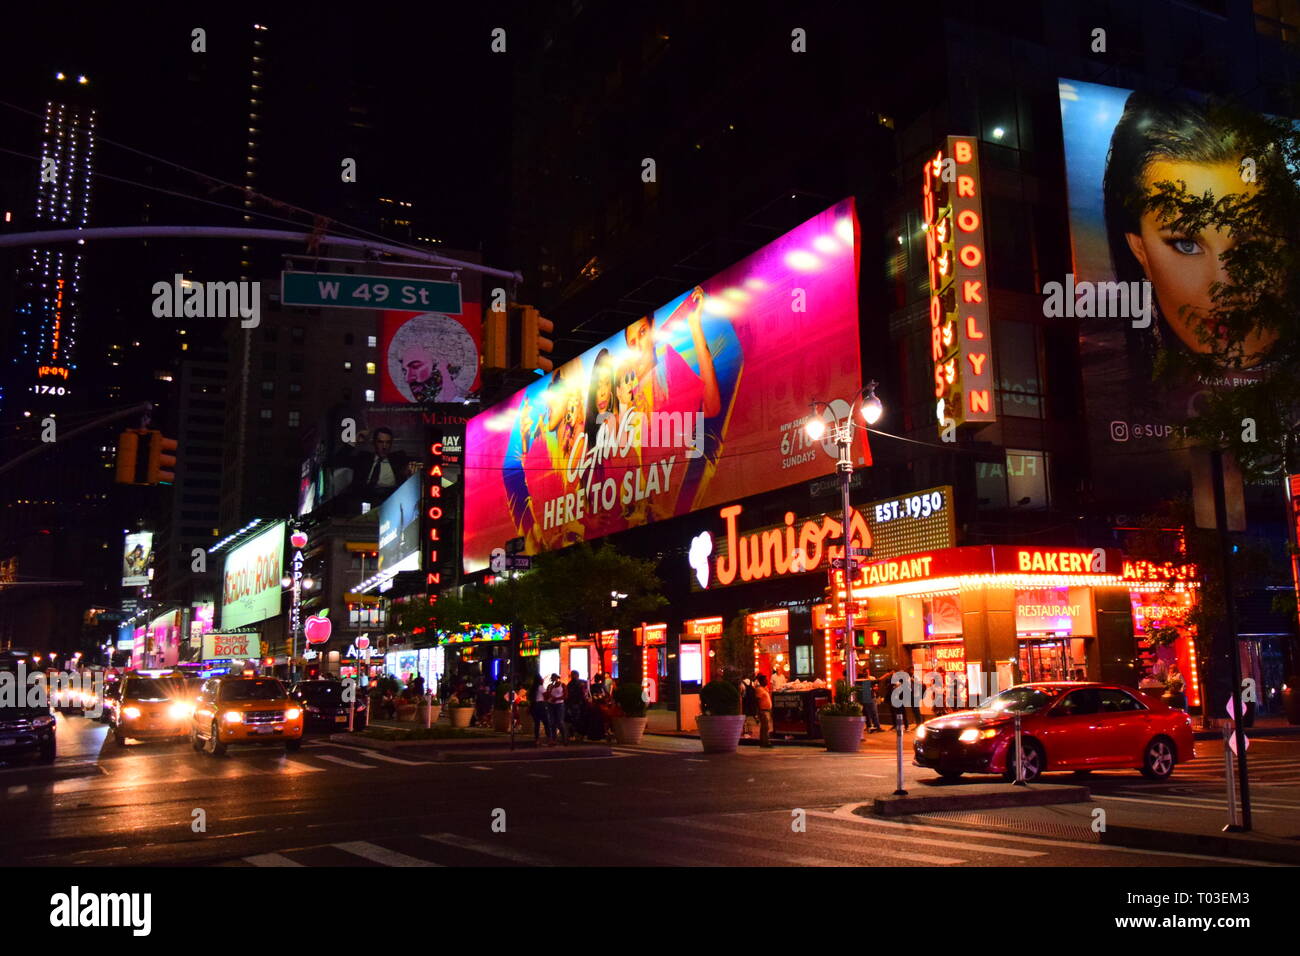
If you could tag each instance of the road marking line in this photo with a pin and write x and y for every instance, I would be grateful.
(376, 755)
(803, 861)
(379, 854)
(594, 783)
(540, 776)
(846, 813)
(346, 763)
(298, 766)
(505, 853)
(271, 859)
(476, 767)
(999, 851)
(17, 789)
(1176, 801)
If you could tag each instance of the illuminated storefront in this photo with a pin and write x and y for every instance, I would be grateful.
(1023, 613)
(1165, 596)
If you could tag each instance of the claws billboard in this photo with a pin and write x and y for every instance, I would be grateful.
(700, 403)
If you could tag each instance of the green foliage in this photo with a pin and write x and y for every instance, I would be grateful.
(571, 591)
(628, 697)
(736, 648)
(719, 698)
(844, 705)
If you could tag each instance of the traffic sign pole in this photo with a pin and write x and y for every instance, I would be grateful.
(1230, 621)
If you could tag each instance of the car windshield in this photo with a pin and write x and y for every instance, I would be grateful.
(1021, 700)
(252, 690)
(326, 691)
(149, 688)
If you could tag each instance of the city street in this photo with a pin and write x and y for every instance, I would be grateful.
(663, 804)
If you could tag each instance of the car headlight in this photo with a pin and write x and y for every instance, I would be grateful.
(179, 711)
(972, 734)
(920, 731)
(293, 713)
(233, 717)
(130, 713)
(42, 721)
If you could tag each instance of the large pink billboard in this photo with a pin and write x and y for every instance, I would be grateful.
(698, 404)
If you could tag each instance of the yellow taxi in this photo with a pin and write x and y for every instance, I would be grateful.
(244, 710)
(148, 708)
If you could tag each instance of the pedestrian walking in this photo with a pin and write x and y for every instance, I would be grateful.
(555, 707)
(764, 700)
(749, 703)
(867, 696)
(541, 714)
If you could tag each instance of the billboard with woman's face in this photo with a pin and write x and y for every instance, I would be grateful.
(1119, 145)
(699, 403)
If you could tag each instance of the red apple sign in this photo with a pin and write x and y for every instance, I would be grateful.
(318, 628)
(298, 540)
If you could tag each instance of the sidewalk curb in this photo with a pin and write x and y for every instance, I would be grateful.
(1141, 838)
(374, 743)
(894, 806)
(528, 753)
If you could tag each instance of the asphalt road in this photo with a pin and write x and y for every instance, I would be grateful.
(664, 804)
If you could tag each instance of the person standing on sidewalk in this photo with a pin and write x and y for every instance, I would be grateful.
(867, 695)
(764, 711)
(555, 706)
(541, 714)
(576, 702)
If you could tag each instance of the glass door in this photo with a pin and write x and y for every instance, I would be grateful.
(1045, 659)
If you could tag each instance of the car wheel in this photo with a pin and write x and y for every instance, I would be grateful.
(292, 745)
(195, 740)
(1158, 759)
(46, 754)
(950, 775)
(1033, 761)
(215, 747)
(119, 738)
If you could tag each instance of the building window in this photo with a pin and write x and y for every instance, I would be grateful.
(265, 416)
(370, 368)
(295, 388)
(294, 418)
(1018, 484)
(347, 366)
(297, 333)
(370, 394)
(1020, 382)
(268, 387)
(372, 341)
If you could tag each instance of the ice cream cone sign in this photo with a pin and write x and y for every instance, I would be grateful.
(318, 627)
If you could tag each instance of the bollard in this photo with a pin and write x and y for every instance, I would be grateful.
(1234, 825)
(1019, 756)
(898, 730)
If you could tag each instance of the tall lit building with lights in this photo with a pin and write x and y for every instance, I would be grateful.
(50, 295)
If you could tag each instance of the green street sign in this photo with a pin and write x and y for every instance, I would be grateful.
(341, 291)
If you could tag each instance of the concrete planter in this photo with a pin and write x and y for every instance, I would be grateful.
(461, 716)
(426, 715)
(406, 712)
(720, 735)
(843, 734)
(501, 721)
(629, 730)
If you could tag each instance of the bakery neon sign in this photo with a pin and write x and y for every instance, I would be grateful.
(960, 340)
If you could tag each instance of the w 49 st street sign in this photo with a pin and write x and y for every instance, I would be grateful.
(342, 291)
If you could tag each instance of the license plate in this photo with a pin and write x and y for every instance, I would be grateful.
(341, 719)
(263, 730)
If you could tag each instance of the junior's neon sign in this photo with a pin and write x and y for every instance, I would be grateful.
(784, 550)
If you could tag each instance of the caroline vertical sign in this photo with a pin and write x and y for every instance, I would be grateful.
(441, 511)
(960, 336)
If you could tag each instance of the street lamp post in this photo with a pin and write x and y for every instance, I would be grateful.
(871, 409)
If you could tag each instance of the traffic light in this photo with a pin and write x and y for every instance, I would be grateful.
(128, 465)
(494, 340)
(162, 460)
(533, 342)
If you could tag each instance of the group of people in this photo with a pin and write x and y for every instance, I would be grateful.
(576, 711)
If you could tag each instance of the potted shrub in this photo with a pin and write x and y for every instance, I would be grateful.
(427, 710)
(501, 717)
(460, 711)
(842, 721)
(630, 718)
(405, 708)
(720, 720)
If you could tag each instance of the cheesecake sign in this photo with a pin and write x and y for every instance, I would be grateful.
(250, 583)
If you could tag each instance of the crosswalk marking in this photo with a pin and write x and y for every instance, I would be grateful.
(271, 859)
(982, 848)
(1188, 802)
(376, 755)
(20, 788)
(505, 853)
(790, 860)
(344, 762)
(379, 854)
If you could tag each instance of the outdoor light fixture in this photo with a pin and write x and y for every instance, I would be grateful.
(872, 408)
(815, 429)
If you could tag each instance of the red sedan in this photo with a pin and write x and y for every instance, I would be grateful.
(1063, 726)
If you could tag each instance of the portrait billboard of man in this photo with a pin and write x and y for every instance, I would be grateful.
(429, 357)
